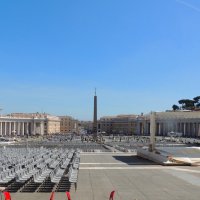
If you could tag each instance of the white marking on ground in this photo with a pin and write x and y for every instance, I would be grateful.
(187, 170)
(109, 154)
(107, 163)
(144, 167)
(95, 168)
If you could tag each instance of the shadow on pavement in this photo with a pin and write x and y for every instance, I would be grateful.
(134, 160)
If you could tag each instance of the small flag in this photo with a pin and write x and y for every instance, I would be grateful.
(52, 196)
(112, 195)
(68, 195)
(7, 195)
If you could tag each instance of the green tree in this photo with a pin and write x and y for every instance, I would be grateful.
(187, 104)
(175, 107)
(182, 102)
(196, 99)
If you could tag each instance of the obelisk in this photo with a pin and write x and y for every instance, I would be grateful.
(95, 117)
(152, 131)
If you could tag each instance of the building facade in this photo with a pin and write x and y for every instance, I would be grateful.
(187, 123)
(120, 124)
(68, 124)
(29, 124)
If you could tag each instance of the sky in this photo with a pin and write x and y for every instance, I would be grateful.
(141, 55)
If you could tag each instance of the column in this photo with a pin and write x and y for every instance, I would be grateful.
(152, 130)
(10, 131)
(1, 128)
(5, 133)
(194, 130)
(191, 130)
(33, 128)
(184, 129)
(22, 128)
(14, 128)
(180, 128)
(42, 128)
(188, 129)
(142, 127)
(27, 128)
(18, 127)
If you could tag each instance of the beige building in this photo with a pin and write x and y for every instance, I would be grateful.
(53, 125)
(68, 124)
(120, 124)
(29, 124)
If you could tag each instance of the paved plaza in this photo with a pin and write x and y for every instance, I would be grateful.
(131, 177)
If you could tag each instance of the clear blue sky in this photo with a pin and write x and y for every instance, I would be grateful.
(142, 55)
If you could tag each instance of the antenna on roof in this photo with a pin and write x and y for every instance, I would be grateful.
(95, 91)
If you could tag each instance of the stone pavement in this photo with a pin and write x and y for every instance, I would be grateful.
(131, 177)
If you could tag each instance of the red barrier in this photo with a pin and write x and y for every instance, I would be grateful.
(7, 195)
(112, 195)
(52, 196)
(68, 195)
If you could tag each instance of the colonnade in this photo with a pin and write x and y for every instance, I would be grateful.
(11, 128)
(188, 129)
